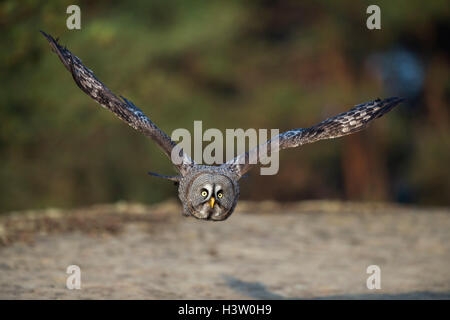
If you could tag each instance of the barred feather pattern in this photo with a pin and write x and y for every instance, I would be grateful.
(122, 108)
(345, 123)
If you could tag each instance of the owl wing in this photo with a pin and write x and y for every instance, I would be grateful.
(343, 124)
(122, 108)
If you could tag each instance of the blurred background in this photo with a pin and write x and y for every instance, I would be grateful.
(232, 64)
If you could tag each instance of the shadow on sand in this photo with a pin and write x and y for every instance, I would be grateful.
(258, 290)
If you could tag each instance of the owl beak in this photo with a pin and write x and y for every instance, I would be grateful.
(211, 202)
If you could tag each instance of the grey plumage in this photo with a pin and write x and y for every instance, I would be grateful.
(212, 192)
(201, 177)
(345, 123)
(124, 109)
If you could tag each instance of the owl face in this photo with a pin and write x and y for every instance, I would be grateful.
(209, 196)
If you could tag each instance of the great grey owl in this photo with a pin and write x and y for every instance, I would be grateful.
(212, 192)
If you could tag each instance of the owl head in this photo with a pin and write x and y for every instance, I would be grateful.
(209, 194)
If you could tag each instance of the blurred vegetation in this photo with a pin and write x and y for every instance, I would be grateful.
(232, 64)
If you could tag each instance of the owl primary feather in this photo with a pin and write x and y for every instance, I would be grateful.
(212, 192)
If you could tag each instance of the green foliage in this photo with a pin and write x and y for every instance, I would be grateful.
(231, 64)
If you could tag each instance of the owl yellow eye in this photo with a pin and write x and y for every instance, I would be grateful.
(204, 193)
(220, 195)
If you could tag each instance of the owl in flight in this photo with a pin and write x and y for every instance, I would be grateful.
(212, 192)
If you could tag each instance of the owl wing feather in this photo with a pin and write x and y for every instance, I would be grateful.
(122, 108)
(345, 123)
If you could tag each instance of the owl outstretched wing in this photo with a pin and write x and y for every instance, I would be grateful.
(122, 108)
(343, 124)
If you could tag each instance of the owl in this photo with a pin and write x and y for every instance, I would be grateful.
(211, 192)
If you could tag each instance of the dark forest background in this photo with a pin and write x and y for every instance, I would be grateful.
(232, 64)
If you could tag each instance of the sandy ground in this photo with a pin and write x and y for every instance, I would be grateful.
(264, 251)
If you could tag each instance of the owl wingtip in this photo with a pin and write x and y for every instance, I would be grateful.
(47, 36)
(396, 99)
